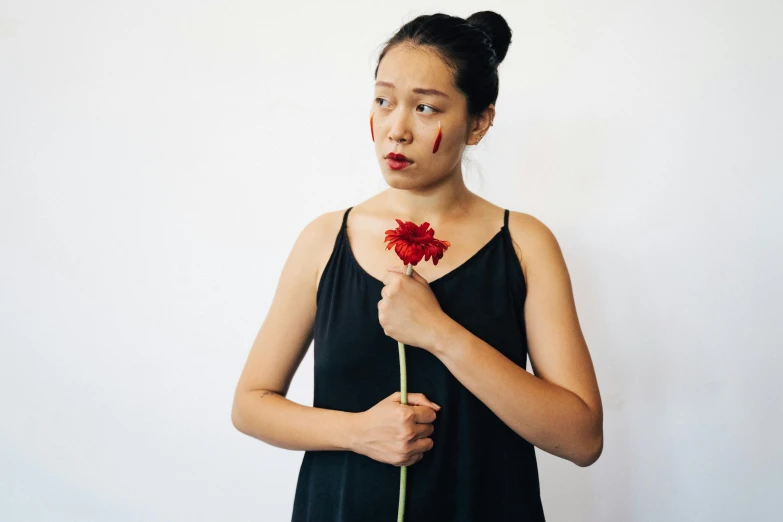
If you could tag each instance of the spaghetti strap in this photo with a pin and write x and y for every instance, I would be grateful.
(345, 219)
(505, 218)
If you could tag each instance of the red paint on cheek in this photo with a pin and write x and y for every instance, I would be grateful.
(372, 131)
(437, 140)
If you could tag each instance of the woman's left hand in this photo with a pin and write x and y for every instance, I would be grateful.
(409, 312)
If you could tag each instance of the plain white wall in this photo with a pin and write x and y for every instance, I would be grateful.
(158, 160)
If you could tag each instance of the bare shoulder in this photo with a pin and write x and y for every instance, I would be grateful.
(314, 244)
(534, 241)
(321, 235)
(287, 330)
(325, 224)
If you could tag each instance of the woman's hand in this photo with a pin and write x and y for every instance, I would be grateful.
(395, 433)
(409, 312)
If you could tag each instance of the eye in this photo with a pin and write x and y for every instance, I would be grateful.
(380, 101)
(434, 110)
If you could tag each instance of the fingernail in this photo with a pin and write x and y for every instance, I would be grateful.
(436, 405)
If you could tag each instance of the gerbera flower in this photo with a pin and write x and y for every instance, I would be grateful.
(413, 242)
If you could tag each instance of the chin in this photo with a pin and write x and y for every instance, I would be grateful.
(398, 180)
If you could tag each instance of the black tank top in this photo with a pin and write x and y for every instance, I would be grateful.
(479, 469)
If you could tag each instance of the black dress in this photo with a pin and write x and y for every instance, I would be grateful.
(479, 469)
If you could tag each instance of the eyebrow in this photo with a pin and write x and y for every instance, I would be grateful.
(417, 90)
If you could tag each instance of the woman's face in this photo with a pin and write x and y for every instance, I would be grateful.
(413, 92)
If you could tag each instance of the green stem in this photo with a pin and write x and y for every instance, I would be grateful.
(403, 400)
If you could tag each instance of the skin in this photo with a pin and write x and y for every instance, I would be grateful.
(557, 408)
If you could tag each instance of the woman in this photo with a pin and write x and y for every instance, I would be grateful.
(500, 292)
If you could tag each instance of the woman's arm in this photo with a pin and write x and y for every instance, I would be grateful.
(559, 408)
(260, 408)
(270, 417)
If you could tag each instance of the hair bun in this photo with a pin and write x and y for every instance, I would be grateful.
(496, 27)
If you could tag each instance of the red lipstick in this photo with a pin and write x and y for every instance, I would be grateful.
(397, 161)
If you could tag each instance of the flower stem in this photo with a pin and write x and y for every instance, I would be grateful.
(403, 400)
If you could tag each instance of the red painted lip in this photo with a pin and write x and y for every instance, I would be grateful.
(398, 165)
(397, 157)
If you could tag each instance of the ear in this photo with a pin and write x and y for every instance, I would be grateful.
(480, 125)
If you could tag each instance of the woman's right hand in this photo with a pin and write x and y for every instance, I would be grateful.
(396, 433)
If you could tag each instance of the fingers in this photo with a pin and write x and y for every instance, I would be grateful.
(417, 449)
(423, 408)
(403, 270)
(423, 431)
(417, 277)
(419, 399)
(413, 460)
(415, 452)
(423, 414)
(422, 445)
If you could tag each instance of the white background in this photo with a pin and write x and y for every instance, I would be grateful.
(158, 160)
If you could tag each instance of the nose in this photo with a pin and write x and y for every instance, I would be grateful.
(399, 130)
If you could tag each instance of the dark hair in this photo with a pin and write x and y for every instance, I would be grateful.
(472, 47)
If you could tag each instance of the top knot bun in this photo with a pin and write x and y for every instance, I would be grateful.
(496, 27)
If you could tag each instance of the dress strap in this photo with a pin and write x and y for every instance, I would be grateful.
(511, 255)
(345, 219)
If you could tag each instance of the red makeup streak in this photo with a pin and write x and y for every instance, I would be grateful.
(372, 131)
(437, 140)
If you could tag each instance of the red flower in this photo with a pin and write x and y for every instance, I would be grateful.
(412, 242)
